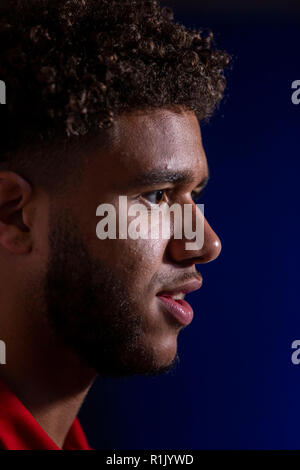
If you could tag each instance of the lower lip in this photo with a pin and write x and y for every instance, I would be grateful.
(180, 309)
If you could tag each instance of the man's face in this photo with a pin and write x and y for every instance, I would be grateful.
(109, 300)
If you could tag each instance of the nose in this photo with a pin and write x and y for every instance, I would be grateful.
(210, 250)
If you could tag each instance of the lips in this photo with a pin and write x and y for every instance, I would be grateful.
(173, 301)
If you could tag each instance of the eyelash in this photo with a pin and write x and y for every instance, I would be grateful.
(196, 196)
(164, 191)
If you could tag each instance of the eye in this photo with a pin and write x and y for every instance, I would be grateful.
(197, 196)
(155, 197)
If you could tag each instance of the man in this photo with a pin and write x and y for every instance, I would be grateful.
(103, 100)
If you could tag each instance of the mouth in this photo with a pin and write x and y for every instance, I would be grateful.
(174, 303)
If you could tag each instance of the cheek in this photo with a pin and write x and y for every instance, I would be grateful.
(135, 261)
(143, 258)
(139, 256)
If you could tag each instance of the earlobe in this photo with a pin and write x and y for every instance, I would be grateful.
(15, 192)
(14, 241)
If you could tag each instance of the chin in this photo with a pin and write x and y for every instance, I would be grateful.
(164, 353)
(155, 358)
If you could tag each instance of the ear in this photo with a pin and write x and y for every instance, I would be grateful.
(15, 193)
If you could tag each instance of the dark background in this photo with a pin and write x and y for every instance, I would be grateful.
(235, 387)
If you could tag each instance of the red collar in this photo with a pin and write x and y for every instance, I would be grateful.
(20, 431)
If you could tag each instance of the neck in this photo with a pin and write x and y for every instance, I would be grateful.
(48, 378)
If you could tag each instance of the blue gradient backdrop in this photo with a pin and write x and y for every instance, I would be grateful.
(235, 387)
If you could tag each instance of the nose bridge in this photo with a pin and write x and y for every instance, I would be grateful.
(210, 248)
(212, 244)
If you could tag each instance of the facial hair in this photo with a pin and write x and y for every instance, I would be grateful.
(91, 310)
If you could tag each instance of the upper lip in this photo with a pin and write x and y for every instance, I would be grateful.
(185, 288)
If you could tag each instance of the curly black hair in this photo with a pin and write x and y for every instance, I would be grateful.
(72, 66)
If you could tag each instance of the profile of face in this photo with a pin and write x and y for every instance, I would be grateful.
(106, 299)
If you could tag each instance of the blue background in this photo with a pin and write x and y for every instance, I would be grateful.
(235, 387)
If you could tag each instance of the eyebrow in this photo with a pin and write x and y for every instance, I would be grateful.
(162, 176)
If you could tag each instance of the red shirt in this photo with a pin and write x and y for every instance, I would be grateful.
(20, 431)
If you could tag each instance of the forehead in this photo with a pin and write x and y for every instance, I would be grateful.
(156, 140)
(158, 136)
